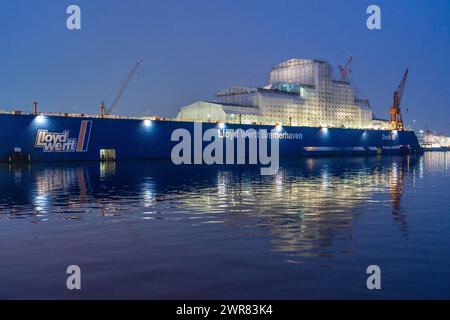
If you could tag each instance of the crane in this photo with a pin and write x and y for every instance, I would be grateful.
(346, 70)
(119, 94)
(395, 115)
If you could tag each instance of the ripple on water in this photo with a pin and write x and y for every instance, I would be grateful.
(325, 208)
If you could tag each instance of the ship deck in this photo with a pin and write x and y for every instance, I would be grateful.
(157, 118)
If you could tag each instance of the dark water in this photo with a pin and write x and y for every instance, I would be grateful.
(152, 230)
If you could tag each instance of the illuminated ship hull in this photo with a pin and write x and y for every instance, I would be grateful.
(71, 138)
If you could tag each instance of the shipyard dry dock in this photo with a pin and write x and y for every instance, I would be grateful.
(310, 109)
(60, 138)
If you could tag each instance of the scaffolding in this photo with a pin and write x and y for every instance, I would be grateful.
(299, 92)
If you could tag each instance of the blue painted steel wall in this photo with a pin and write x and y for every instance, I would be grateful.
(133, 140)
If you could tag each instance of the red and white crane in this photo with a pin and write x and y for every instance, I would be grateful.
(395, 114)
(346, 70)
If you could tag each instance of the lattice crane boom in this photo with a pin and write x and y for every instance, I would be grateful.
(122, 89)
(346, 70)
(401, 87)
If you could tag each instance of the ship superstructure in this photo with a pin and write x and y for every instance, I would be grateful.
(299, 92)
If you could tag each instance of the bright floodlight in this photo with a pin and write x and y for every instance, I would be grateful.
(40, 119)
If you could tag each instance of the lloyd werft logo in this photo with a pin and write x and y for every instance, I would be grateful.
(61, 141)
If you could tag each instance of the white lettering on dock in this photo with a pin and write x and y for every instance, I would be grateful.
(55, 142)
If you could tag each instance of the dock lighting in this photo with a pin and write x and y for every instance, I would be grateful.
(221, 125)
(278, 128)
(324, 133)
(147, 123)
(40, 119)
(394, 134)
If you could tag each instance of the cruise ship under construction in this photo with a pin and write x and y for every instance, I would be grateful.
(309, 110)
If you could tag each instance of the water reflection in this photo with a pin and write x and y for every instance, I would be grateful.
(305, 209)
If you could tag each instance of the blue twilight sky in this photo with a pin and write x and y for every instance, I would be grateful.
(194, 48)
